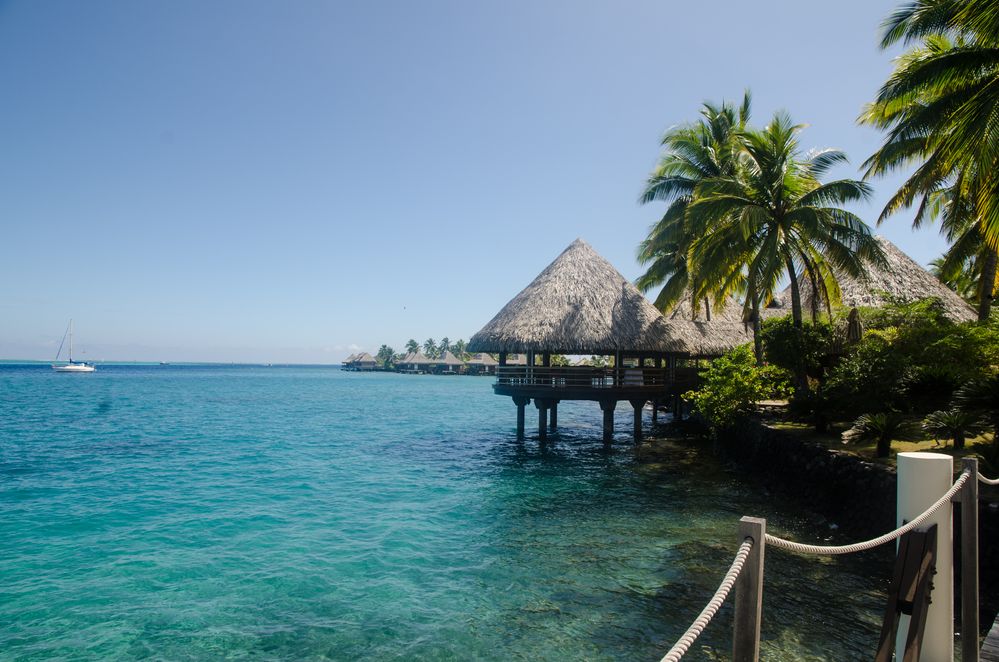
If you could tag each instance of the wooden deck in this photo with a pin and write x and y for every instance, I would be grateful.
(990, 649)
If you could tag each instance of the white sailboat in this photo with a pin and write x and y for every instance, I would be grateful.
(71, 366)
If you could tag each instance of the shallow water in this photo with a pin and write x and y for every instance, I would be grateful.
(183, 512)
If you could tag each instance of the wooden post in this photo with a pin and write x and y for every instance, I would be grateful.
(969, 562)
(542, 406)
(639, 405)
(553, 416)
(502, 358)
(608, 408)
(521, 403)
(749, 594)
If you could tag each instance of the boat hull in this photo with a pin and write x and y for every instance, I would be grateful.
(74, 367)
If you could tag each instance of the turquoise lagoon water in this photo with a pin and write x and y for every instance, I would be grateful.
(204, 513)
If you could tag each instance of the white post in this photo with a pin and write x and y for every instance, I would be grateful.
(922, 479)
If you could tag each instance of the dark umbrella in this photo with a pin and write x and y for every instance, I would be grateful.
(854, 328)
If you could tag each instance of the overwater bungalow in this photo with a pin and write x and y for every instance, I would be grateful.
(414, 363)
(448, 364)
(360, 362)
(580, 304)
(481, 364)
(904, 279)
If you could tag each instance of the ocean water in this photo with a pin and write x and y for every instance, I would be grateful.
(207, 513)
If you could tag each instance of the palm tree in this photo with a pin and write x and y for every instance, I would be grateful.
(458, 346)
(962, 280)
(940, 109)
(953, 424)
(694, 153)
(773, 217)
(882, 428)
(444, 347)
(385, 356)
(430, 348)
(412, 347)
(981, 397)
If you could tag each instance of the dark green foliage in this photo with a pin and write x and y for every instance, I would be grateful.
(981, 396)
(881, 427)
(805, 349)
(385, 356)
(731, 386)
(953, 424)
(911, 359)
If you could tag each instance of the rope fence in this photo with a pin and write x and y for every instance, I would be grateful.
(830, 550)
(684, 643)
(688, 638)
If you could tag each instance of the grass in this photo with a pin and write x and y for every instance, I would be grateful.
(833, 439)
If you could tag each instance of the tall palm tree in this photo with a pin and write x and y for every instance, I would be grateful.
(940, 109)
(412, 347)
(694, 153)
(444, 346)
(774, 218)
(458, 346)
(430, 348)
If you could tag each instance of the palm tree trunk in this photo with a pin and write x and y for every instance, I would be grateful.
(757, 334)
(795, 295)
(800, 376)
(958, 440)
(707, 309)
(986, 285)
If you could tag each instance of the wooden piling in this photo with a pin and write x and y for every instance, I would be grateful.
(553, 416)
(608, 408)
(639, 405)
(542, 406)
(969, 562)
(521, 404)
(749, 594)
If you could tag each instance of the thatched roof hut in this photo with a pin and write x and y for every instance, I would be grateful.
(579, 304)
(904, 279)
(448, 359)
(482, 359)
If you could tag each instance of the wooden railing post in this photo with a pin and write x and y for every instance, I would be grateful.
(749, 594)
(969, 562)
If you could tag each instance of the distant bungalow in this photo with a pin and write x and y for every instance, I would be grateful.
(580, 304)
(481, 364)
(360, 362)
(414, 362)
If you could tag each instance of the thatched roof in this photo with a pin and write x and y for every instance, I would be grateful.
(731, 312)
(482, 359)
(350, 359)
(414, 358)
(578, 304)
(363, 357)
(904, 279)
(448, 359)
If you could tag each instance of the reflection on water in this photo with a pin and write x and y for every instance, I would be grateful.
(292, 513)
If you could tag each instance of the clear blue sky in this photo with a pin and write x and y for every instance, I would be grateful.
(286, 181)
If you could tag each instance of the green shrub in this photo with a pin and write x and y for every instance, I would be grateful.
(804, 349)
(952, 424)
(732, 384)
(882, 428)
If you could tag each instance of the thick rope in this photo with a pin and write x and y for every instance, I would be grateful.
(988, 481)
(690, 636)
(870, 544)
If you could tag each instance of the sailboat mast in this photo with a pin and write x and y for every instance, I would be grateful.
(71, 340)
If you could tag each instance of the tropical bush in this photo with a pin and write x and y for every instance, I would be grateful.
(731, 386)
(952, 424)
(981, 397)
(797, 349)
(882, 428)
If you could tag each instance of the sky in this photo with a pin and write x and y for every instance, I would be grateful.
(292, 182)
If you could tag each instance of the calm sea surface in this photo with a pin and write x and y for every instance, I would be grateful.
(205, 513)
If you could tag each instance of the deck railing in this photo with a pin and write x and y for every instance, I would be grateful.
(582, 377)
